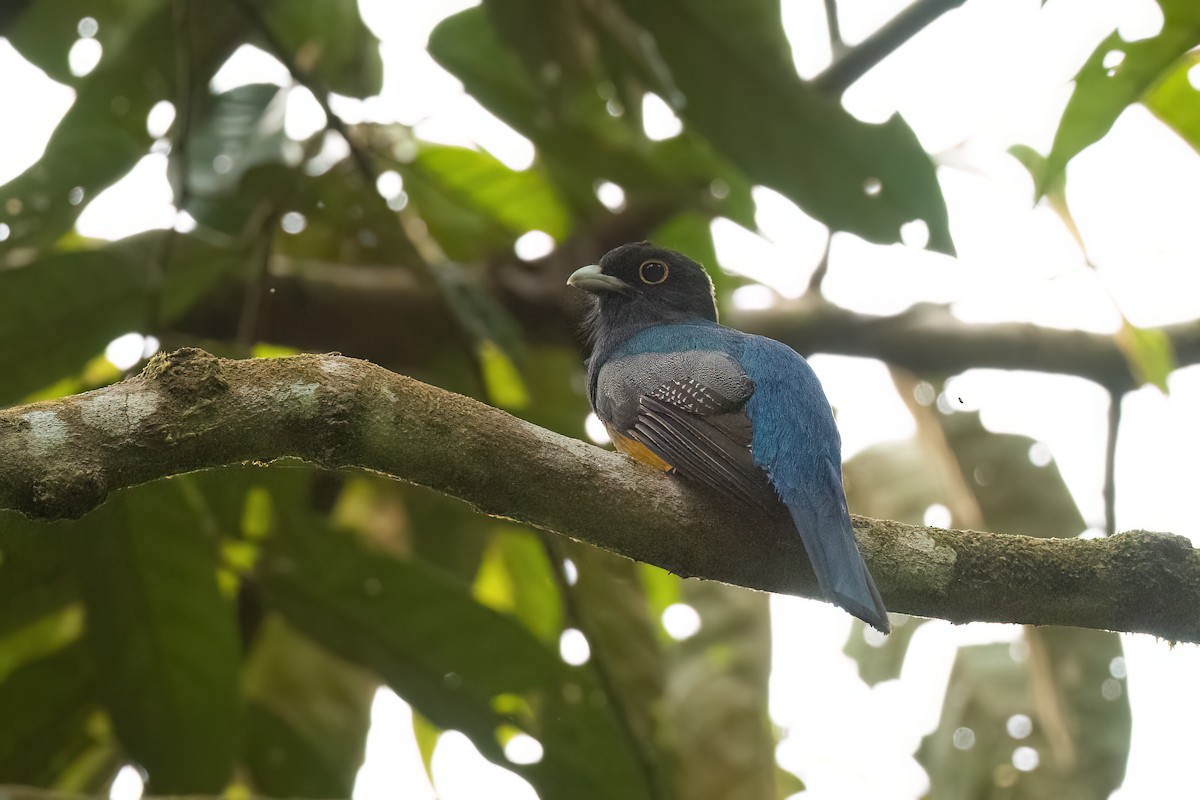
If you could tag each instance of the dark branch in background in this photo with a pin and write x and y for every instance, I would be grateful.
(818, 275)
(858, 61)
(190, 411)
(348, 308)
(259, 267)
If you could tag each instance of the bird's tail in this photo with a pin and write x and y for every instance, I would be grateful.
(828, 537)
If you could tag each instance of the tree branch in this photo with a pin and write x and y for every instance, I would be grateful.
(190, 410)
(858, 61)
(344, 308)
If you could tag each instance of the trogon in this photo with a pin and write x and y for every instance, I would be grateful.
(743, 415)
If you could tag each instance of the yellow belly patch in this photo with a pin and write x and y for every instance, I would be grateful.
(637, 451)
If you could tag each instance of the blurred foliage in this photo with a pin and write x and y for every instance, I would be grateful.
(228, 631)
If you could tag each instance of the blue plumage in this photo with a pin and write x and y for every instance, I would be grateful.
(740, 413)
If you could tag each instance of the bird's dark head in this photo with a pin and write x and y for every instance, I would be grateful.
(639, 284)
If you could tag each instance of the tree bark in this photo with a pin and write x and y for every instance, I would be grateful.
(190, 410)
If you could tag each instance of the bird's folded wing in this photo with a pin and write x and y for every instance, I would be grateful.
(713, 449)
(688, 409)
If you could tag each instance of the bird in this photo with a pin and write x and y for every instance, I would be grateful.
(741, 414)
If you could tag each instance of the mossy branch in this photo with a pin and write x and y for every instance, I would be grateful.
(190, 410)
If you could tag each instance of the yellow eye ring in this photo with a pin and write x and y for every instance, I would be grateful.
(652, 264)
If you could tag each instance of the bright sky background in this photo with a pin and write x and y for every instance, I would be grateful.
(984, 77)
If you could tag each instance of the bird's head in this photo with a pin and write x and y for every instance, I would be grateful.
(641, 284)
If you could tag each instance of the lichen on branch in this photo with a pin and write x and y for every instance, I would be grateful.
(190, 410)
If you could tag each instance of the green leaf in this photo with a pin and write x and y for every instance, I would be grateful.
(1100, 97)
(612, 610)
(516, 578)
(880, 658)
(457, 662)
(1176, 100)
(1015, 495)
(44, 33)
(46, 705)
(104, 132)
(578, 141)
(715, 708)
(68, 306)
(1149, 353)
(164, 639)
(307, 717)
(328, 38)
(39, 638)
(232, 133)
(1081, 738)
(519, 201)
(740, 90)
(37, 570)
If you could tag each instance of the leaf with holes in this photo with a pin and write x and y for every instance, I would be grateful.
(1116, 74)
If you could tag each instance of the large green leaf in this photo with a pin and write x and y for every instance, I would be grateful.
(44, 33)
(104, 132)
(232, 133)
(739, 88)
(163, 637)
(1015, 495)
(46, 705)
(516, 577)
(1176, 100)
(1103, 88)
(578, 140)
(715, 707)
(1077, 729)
(459, 663)
(610, 606)
(68, 306)
(473, 191)
(37, 569)
(328, 37)
(307, 717)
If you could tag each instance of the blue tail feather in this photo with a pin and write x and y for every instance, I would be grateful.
(842, 575)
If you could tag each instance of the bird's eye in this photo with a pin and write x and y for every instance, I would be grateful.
(653, 272)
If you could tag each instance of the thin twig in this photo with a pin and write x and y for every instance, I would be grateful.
(252, 302)
(885, 41)
(1110, 463)
(837, 45)
(818, 276)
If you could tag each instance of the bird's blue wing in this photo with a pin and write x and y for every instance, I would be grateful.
(796, 442)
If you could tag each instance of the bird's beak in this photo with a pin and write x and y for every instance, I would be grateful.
(591, 279)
